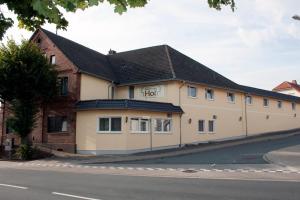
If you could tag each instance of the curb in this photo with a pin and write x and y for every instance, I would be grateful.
(193, 150)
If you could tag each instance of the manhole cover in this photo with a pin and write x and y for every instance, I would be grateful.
(189, 171)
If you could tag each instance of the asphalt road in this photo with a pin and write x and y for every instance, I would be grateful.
(251, 153)
(44, 185)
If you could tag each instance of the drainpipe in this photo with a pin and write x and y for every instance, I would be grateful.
(3, 121)
(180, 124)
(246, 114)
(151, 136)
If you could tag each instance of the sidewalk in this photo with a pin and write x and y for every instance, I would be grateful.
(289, 156)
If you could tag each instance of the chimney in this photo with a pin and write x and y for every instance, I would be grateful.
(295, 82)
(111, 52)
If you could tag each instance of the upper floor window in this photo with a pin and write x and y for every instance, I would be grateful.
(279, 104)
(230, 97)
(249, 100)
(266, 102)
(192, 91)
(293, 106)
(63, 86)
(52, 60)
(57, 124)
(209, 94)
(131, 92)
(162, 125)
(8, 128)
(110, 124)
(140, 125)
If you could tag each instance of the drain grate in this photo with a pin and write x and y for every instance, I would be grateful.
(189, 171)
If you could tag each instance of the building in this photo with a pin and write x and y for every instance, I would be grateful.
(147, 99)
(290, 88)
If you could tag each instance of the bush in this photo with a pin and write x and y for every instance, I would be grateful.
(24, 152)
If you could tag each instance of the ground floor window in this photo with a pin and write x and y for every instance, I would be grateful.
(211, 126)
(57, 124)
(201, 126)
(162, 125)
(110, 124)
(139, 125)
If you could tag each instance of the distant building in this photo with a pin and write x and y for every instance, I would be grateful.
(290, 88)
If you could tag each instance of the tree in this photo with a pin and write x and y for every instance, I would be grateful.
(27, 81)
(32, 14)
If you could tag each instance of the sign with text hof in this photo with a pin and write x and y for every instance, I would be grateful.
(153, 91)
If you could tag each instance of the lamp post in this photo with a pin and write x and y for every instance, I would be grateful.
(296, 17)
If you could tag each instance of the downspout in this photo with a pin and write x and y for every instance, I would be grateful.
(246, 114)
(3, 120)
(180, 124)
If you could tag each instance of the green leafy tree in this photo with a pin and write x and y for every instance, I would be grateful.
(27, 81)
(32, 14)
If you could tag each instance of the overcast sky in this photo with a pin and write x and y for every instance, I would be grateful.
(257, 45)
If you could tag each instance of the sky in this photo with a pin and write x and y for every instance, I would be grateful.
(257, 45)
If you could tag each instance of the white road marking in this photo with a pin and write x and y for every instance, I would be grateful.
(14, 186)
(74, 196)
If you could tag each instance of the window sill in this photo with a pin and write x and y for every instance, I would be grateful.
(140, 132)
(202, 132)
(163, 133)
(109, 132)
(191, 97)
(210, 99)
(58, 133)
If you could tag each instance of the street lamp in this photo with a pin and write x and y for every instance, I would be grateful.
(296, 17)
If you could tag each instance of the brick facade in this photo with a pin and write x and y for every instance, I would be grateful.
(61, 106)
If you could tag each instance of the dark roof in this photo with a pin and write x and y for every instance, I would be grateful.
(152, 64)
(128, 104)
(87, 60)
(267, 93)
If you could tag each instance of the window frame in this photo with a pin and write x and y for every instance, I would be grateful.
(266, 100)
(139, 119)
(212, 94)
(203, 126)
(52, 61)
(214, 126)
(228, 97)
(279, 104)
(54, 130)
(61, 80)
(162, 125)
(189, 91)
(251, 100)
(109, 124)
(294, 105)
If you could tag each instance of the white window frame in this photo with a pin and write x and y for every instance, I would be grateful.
(229, 99)
(189, 93)
(109, 124)
(52, 59)
(203, 126)
(214, 126)
(162, 125)
(139, 124)
(268, 102)
(251, 100)
(212, 94)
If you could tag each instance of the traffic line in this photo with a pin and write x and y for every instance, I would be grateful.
(14, 186)
(74, 196)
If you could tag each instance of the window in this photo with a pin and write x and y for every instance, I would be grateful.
(211, 126)
(293, 106)
(52, 59)
(249, 100)
(110, 124)
(231, 97)
(162, 125)
(57, 124)
(131, 92)
(139, 125)
(209, 94)
(63, 86)
(266, 102)
(8, 128)
(279, 104)
(201, 126)
(192, 91)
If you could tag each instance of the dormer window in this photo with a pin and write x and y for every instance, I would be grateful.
(52, 60)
